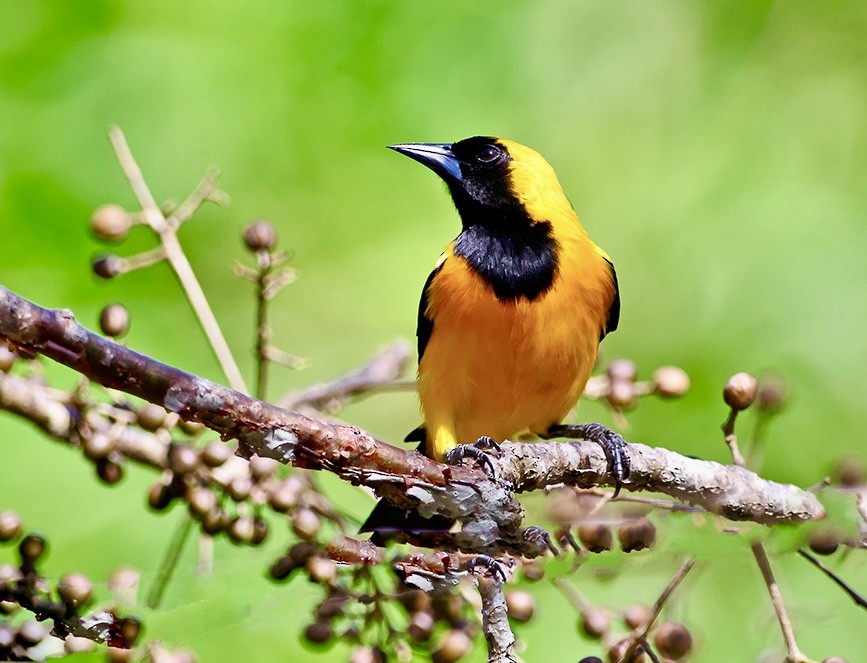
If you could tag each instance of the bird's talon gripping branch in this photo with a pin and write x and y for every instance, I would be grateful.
(477, 452)
(496, 568)
(538, 535)
(612, 444)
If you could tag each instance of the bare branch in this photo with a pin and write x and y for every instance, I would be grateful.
(490, 513)
(495, 622)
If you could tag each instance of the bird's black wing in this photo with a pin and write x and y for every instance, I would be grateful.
(614, 311)
(425, 325)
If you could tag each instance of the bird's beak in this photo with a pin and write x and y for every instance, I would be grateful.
(436, 156)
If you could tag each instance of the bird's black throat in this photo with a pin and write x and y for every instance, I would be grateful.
(517, 259)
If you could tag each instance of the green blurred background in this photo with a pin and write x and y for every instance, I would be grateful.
(717, 151)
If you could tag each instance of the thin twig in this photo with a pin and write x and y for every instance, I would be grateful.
(639, 635)
(176, 257)
(794, 655)
(170, 561)
(732, 439)
(854, 595)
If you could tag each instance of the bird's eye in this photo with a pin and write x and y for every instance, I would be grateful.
(488, 154)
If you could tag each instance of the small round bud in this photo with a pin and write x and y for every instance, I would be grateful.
(455, 645)
(97, 446)
(160, 496)
(824, 541)
(123, 584)
(31, 634)
(110, 223)
(617, 651)
(241, 529)
(740, 391)
(151, 417)
(850, 472)
(621, 395)
(215, 522)
(636, 534)
(130, 629)
(590, 659)
(673, 640)
(281, 568)
(202, 501)
(333, 604)
(260, 531)
(183, 459)
(319, 632)
(533, 572)
(108, 471)
(10, 525)
(772, 395)
(321, 569)
(75, 645)
(239, 488)
(414, 600)
(260, 236)
(367, 655)
(285, 495)
(75, 589)
(214, 454)
(421, 626)
(595, 622)
(108, 266)
(114, 320)
(305, 523)
(636, 615)
(670, 381)
(596, 537)
(622, 370)
(7, 636)
(191, 428)
(7, 357)
(9, 575)
(262, 468)
(835, 659)
(521, 605)
(31, 548)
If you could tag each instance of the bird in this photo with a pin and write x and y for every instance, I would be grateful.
(511, 317)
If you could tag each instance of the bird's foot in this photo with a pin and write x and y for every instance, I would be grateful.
(477, 452)
(612, 444)
(539, 536)
(496, 568)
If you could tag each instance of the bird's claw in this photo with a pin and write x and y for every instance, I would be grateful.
(612, 445)
(496, 568)
(539, 536)
(477, 452)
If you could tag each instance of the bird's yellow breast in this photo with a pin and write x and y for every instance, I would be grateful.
(503, 368)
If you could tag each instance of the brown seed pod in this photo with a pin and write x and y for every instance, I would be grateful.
(670, 381)
(521, 605)
(740, 391)
(110, 223)
(421, 626)
(7, 357)
(109, 471)
(596, 537)
(260, 236)
(595, 622)
(824, 540)
(673, 640)
(10, 525)
(622, 370)
(151, 417)
(617, 650)
(30, 633)
(114, 320)
(108, 266)
(455, 645)
(305, 523)
(636, 534)
(319, 632)
(215, 453)
(183, 458)
(31, 548)
(636, 615)
(75, 589)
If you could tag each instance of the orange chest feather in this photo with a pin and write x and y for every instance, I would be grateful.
(500, 368)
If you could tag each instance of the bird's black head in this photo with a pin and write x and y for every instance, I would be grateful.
(476, 171)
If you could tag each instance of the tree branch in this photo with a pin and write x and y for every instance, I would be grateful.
(490, 514)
